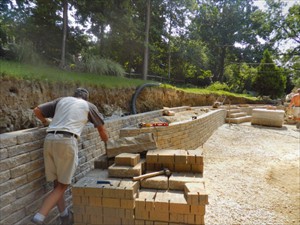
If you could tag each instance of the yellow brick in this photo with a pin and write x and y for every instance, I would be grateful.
(94, 192)
(199, 219)
(92, 210)
(127, 204)
(97, 219)
(79, 209)
(76, 191)
(139, 222)
(180, 167)
(128, 213)
(112, 221)
(141, 214)
(111, 202)
(159, 216)
(95, 201)
(85, 200)
(197, 209)
(127, 159)
(76, 200)
(78, 218)
(127, 221)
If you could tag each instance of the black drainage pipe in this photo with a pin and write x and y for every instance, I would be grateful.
(136, 94)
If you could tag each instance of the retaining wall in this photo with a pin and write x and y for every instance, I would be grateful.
(22, 181)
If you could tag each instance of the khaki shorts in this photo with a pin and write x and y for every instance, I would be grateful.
(61, 157)
(296, 112)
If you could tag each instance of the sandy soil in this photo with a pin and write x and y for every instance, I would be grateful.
(252, 175)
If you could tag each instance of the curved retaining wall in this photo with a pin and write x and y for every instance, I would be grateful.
(22, 180)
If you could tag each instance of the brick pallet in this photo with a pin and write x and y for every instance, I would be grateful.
(103, 198)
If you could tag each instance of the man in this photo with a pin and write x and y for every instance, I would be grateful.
(69, 116)
(295, 103)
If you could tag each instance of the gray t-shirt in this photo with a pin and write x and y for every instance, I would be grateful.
(71, 114)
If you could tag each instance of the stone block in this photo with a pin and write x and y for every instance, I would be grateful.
(196, 194)
(267, 117)
(158, 182)
(140, 143)
(127, 159)
(125, 171)
(178, 180)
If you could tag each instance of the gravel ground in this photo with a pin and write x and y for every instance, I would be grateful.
(252, 175)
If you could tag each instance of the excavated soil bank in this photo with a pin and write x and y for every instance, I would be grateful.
(19, 97)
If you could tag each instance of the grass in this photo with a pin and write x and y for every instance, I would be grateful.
(51, 74)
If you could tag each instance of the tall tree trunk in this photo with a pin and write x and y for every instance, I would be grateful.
(65, 26)
(169, 40)
(146, 52)
(222, 65)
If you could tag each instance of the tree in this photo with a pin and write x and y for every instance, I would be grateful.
(269, 79)
(221, 24)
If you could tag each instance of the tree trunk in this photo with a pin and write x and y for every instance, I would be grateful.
(222, 64)
(65, 26)
(146, 52)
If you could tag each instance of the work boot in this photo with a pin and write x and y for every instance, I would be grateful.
(67, 220)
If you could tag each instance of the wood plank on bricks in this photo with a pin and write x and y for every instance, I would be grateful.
(177, 180)
(127, 159)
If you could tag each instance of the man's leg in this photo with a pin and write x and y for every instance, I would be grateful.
(61, 205)
(54, 198)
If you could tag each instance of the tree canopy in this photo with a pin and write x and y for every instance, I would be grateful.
(193, 41)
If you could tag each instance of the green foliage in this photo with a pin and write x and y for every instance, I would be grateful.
(26, 53)
(95, 64)
(240, 77)
(269, 80)
(217, 86)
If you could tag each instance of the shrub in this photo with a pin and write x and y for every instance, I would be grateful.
(101, 66)
(25, 52)
(217, 86)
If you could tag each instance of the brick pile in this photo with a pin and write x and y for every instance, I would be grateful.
(109, 197)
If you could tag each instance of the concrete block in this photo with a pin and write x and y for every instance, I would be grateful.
(158, 182)
(127, 159)
(159, 216)
(125, 171)
(266, 117)
(140, 143)
(178, 180)
(195, 156)
(196, 194)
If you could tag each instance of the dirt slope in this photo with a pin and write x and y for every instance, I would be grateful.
(253, 175)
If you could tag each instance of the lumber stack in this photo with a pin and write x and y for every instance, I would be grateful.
(267, 117)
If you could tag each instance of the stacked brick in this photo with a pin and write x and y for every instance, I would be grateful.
(126, 165)
(98, 201)
(22, 178)
(107, 197)
(182, 135)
